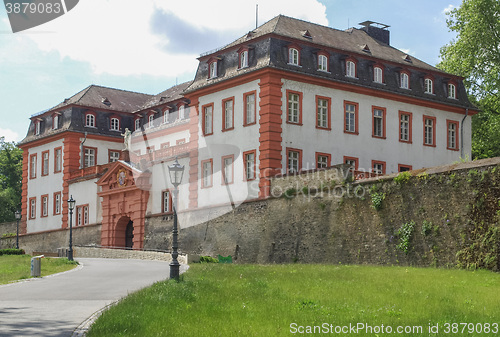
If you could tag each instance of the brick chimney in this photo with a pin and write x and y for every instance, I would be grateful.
(377, 30)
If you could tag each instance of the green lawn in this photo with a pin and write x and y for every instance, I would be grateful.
(18, 267)
(277, 300)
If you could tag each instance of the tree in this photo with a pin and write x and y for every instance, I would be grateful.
(475, 55)
(11, 158)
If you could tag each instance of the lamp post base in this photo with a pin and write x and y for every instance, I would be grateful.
(174, 270)
(70, 254)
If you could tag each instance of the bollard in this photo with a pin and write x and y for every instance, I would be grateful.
(36, 266)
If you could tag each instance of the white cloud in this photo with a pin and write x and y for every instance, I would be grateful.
(448, 9)
(10, 136)
(116, 36)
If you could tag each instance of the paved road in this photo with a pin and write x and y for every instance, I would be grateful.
(54, 306)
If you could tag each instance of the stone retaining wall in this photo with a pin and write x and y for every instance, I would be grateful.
(96, 252)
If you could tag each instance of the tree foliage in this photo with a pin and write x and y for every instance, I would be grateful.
(11, 158)
(475, 55)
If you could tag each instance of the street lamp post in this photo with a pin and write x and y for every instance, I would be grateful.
(18, 217)
(71, 207)
(176, 172)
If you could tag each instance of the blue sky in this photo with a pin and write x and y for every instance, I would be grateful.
(149, 45)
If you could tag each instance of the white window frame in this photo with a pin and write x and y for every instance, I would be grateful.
(428, 86)
(137, 124)
(293, 161)
(57, 203)
(90, 120)
(322, 161)
(293, 108)
(89, 157)
(165, 116)
(114, 156)
(243, 59)
(378, 75)
(227, 173)
(85, 215)
(166, 204)
(452, 135)
(452, 91)
(250, 165)
(405, 81)
(378, 122)
(293, 56)
(404, 124)
(115, 124)
(55, 122)
(45, 206)
(212, 68)
(323, 63)
(250, 109)
(228, 114)
(350, 119)
(207, 173)
(45, 163)
(182, 111)
(37, 127)
(151, 120)
(322, 113)
(207, 115)
(429, 131)
(350, 69)
(58, 160)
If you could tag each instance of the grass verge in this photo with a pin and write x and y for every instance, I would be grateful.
(265, 300)
(18, 267)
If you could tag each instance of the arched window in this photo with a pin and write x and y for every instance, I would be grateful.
(452, 91)
(350, 69)
(378, 75)
(293, 56)
(243, 59)
(115, 124)
(405, 81)
(322, 62)
(90, 120)
(212, 68)
(428, 84)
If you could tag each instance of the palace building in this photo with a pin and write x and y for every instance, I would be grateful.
(287, 96)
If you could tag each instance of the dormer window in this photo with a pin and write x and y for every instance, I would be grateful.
(428, 86)
(137, 124)
(151, 119)
(38, 127)
(452, 91)
(322, 62)
(242, 58)
(212, 69)
(114, 124)
(378, 75)
(293, 56)
(350, 68)
(404, 80)
(165, 116)
(182, 111)
(55, 121)
(90, 120)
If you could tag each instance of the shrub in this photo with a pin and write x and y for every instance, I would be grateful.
(426, 227)
(12, 251)
(208, 259)
(377, 198)
(404, 234)
(402, 178)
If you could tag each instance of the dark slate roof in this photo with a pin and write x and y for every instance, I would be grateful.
(172, 94)
(98, 97)
(351, 41)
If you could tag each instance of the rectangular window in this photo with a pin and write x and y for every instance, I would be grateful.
(243, 59)
(323, 160)
(294, 107)
(207, 119)
(113, 156)
(249, 158)
(294, 160)
(182, 112)
(86, 215)
(213, 69)
(206, 173)
(33, 166)
(227, 170)
(115, 124)
(405, 126)
(452, 127)
(378, 167)
(180, 141)
(45, 163)
(137, 125)
(404, 168)
(353, 162)
(78, 214)
(228, 114)
(57, 203)
(429, 131)
(57, 159)
(32, 206)
(249, 108)
(89, 156)
(323, 112)
(351, 117)
(166, 198)
(378, 122)
(165, 116)
(45, 206)
(38, 125)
